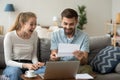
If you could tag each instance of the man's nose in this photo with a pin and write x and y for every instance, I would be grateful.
(67, 26)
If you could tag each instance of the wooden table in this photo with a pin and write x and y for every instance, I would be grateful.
(34, 78)
(39, 78)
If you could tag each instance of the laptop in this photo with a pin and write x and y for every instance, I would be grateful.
(60, 70)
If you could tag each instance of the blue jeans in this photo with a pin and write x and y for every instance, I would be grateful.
(14, 72)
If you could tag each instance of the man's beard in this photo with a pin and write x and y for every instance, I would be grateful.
(69, 31)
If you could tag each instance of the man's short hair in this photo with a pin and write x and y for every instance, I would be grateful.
(69, 13)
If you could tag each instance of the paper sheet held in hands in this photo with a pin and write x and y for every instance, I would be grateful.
(67, 49)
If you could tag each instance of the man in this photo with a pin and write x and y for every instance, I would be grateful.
(72, 35)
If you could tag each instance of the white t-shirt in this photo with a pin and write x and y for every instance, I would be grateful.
(16, 48)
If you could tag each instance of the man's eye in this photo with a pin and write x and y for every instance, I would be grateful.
(65, 23)
(71, 24)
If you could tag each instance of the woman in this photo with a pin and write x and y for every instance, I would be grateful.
(20, 47)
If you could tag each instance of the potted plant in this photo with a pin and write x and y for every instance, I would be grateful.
(82, 19)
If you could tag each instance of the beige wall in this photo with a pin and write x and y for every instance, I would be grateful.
(115, 8)
(98, 12)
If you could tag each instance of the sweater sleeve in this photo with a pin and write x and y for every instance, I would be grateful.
(8, 51)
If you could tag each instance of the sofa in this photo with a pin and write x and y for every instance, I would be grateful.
(96, 44)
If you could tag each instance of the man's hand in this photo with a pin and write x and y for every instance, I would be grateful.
(78, 54)
(53, 57)
(82, 56)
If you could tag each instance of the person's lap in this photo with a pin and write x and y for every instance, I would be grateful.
(86, 69)
(40, 70)
(14, 72)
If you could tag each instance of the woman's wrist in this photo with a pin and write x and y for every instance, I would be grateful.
(23, 65)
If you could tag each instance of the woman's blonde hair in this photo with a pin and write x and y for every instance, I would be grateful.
(21, 19)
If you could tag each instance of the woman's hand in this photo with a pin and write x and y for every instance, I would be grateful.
(39, 64)
(30, 66)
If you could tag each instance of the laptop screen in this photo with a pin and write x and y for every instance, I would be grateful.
(61, 69)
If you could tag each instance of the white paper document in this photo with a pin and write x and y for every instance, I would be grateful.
(83, 76)
(67, 49)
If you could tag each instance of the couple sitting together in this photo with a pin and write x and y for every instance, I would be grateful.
(20, 44)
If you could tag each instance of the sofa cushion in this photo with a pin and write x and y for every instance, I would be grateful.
(117, 69)
(106, 60)
(2, 60)
(43, 49)
(97, 43)
(43, 32)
